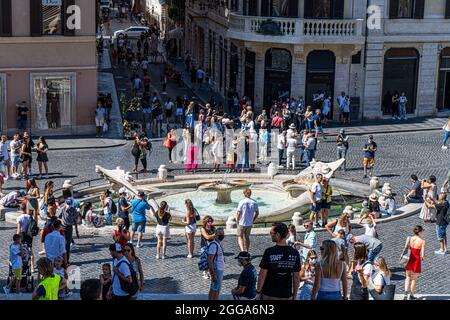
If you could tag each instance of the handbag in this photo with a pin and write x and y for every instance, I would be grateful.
(404, 258)
(388, 292)
(166, 143)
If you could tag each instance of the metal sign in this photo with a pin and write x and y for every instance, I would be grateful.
(52, 2)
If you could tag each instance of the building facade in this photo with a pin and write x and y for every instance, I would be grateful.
(50, 64)
(266, 49)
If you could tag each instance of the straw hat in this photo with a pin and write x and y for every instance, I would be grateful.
(387, 193)
(292, 126)
(373, 197)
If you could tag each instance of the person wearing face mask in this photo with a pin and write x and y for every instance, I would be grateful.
(307, 275)
(216, 264)
(311, 241)
(207, 234)
(246, 288)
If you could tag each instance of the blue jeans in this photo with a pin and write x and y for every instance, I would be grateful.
(108, 219)
(414, 200)
(373, 254)
(309, 156)
(402, 110)
(342, 153)
(302, 153)
(446, 137)
(323, 295)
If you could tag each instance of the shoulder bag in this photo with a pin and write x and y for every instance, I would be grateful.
(404, 258)
(388, 292)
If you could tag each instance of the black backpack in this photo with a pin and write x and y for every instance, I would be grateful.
(130, 288)
(113, 207)
(33, 228)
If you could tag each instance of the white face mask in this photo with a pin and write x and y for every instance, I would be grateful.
(312, 261)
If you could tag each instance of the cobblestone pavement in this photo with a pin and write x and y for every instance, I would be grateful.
(179, 275)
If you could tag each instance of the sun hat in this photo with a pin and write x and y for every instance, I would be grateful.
(122, 190)
(348, 209)
(292, 126)
(373, 197)
(387, 193)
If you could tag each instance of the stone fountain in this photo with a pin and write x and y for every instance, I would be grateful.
(224, 188)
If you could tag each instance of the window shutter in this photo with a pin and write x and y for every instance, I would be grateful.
(393, 9)
(252, 8)
(66, 4)
(338, 10)
(419, 9)
(5, 18)
(265, 8)
(447, 9)
(36, 18)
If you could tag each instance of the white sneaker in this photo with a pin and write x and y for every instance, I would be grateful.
(439, 252)
(189, 256)
(157, 256)
(444, 147)
(205, 275)
(139, 245)
(163, 257)
(6, 290)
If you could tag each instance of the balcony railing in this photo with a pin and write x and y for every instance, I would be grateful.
(292, 30)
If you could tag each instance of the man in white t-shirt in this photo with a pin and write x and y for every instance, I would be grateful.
(216, 264)
(291, 149)
(281, 145)
(316, 199)
(121, 270)
(246, 215)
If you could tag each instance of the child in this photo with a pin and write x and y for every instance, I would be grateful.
(15, 260)
(106, 279)
(88, 215)
(49, 286)
(292, 240)
(59, 270)
(370, 225)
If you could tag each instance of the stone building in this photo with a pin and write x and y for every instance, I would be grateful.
(267, 49)
(48, 64)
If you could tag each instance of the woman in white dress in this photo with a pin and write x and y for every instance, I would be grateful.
(428, 212)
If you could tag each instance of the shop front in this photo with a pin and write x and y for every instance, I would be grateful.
(52, 102)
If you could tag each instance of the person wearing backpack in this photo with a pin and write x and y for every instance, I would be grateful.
(24, 228)
(69, 218)
(216, 264)
(140, 206)
(106, 203)
(442, 221)
(122, 279)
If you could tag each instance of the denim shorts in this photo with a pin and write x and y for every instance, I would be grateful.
(217, 286)
(138, 227)
(441, 232)
(325, 205)
(317, 207)
(324, 295)
(15, 161)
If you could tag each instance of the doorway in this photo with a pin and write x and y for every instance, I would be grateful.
(277, 76)
(401, 68)
(320, 75)
(443, 99)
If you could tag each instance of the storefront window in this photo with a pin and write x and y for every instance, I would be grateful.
(52, 103)
(52, 17)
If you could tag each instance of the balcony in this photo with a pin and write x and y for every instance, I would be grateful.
(296, 30)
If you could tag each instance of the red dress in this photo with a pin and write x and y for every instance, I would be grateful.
(414, 264)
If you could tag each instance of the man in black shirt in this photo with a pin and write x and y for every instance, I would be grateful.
(124, 207)
(247, 280)
(279, 277)
(22, 117)
(442, 212)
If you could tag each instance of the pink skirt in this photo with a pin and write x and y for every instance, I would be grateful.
(192, 158)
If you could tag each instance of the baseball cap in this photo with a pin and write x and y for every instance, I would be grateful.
(243, 255)
(115, 247)
(141, 193)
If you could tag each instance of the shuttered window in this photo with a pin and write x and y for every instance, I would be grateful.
(419, 9)
(5, 18)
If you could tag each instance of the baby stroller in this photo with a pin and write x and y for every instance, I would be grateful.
(27, 282)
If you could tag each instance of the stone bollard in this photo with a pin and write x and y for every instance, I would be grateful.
(162, 172)
(374, 183)
(272, 170)
(297, 220)
(231, 223)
